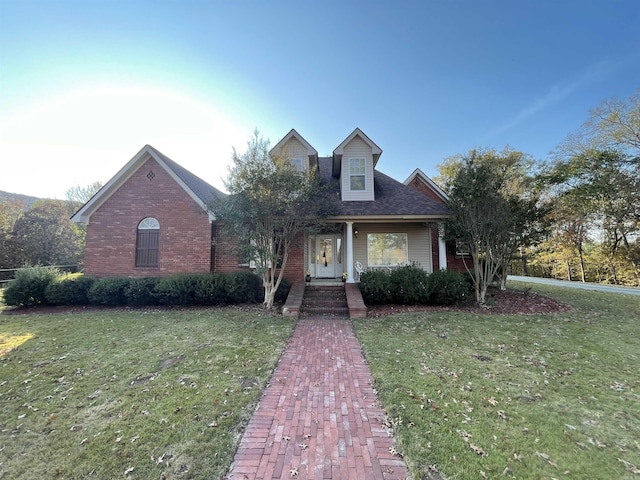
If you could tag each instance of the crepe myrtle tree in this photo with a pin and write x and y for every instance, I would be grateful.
(270, 204)
(495, 209)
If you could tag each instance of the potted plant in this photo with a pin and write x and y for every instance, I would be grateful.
(307, 277)
(344, 276)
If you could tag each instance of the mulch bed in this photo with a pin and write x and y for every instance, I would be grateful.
(500, 302)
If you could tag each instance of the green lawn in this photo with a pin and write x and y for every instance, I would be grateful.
(141, 394)
(165, 394)
(527, 397)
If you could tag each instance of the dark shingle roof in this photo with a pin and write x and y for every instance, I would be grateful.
(391, 196)
(202, 189)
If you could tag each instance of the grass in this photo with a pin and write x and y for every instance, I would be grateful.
(528, 397)
(140, 394)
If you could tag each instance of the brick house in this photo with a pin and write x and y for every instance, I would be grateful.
(151, 218)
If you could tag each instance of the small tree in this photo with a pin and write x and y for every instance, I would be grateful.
(270, 204)
(494, 210)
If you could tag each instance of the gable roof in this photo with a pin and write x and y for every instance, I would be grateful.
(417, 173)
(394, 201)
(312, 152)
(376, 151)
(199, 190)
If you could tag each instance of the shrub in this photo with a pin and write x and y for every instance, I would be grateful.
(177, 289)
(448, 287)
(69, 289)
(243, 287)
(193, 289)
(283, 291)
(211, 289)
(409, 285)
(109, 291)
(375, 286)
(28, 287)
(142, 291)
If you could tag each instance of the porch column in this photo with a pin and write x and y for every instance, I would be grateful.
(350, 278)
(442, 247)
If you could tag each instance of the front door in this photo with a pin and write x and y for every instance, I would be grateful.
(328, 256)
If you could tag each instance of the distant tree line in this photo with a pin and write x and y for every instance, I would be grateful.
(41, 233)
(575, 217)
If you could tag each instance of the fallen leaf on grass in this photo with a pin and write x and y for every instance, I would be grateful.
(547, 459)
(478, 450)
(629, 466)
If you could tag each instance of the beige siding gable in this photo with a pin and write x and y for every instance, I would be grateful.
(293, 148)
(357, 149)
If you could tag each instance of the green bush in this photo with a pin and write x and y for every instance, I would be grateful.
(448, 287)
(177, 289)
(409, 285)
(142, 291)
(193, 289)
(69, 289)
(211, 289)
(283, 291)
(109, 292)
(243, 287)
(375, 286)
(29, 286)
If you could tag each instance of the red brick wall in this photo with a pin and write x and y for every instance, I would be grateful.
(425, 189)
(226, 259)
(185, 231)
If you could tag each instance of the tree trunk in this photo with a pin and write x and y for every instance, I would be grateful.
(583, 276)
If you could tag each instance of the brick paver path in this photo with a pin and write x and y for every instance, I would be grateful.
(319, 417)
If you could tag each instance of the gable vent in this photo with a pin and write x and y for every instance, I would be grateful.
(151, 175)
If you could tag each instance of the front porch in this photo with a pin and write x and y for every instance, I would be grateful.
(333, 254)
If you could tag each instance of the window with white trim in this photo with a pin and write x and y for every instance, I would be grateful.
(357, 179)
(387, 249)
(147, 240)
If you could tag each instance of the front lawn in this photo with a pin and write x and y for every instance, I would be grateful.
(529, 397)
(139, 394)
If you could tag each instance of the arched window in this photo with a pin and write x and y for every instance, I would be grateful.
(147, 242)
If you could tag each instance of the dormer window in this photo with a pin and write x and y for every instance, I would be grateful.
(297, 163)
(357, 177)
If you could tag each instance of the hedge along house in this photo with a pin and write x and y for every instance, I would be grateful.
(151, 218)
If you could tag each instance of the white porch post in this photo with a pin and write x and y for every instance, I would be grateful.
(442, 247)
(350, 278)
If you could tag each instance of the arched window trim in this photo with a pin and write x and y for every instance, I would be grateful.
(149, 223)
(147, 242)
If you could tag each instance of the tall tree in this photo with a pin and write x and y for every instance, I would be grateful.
(270, 204)
(604, 186)
(10, 212)
(613, 125)
(494, 210)
(47, 236)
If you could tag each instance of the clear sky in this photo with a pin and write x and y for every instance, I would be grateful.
(84, 85)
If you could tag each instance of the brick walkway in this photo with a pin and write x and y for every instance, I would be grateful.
(319, 417)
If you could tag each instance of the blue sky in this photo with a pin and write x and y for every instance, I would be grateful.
(85, 84)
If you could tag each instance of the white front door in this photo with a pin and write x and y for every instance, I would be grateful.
(328, 256)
